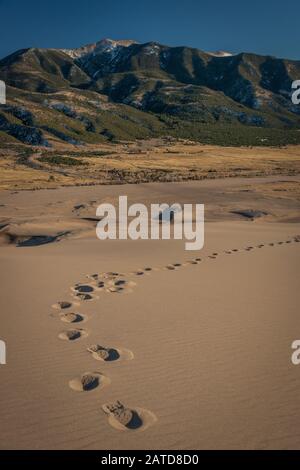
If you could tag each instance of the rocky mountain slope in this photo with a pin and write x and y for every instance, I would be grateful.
(122, 90)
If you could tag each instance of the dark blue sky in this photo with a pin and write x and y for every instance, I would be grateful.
(261, 26)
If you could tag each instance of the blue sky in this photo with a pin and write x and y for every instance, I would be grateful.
(261, 26)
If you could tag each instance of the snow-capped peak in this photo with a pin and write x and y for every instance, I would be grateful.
(220, 54)
(105, 45)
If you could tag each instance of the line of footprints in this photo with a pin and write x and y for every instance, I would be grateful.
(119, 416)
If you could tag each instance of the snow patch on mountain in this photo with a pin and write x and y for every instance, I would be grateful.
(220, 54)
(105, 45)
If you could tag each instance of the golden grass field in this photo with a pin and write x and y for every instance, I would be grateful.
(138, 162)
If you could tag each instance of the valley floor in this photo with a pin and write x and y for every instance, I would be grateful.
(155, 160)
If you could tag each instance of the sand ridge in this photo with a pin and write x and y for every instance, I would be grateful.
(72, 214)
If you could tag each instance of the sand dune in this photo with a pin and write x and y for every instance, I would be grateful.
(142, 345)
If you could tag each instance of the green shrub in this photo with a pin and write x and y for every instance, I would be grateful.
(59, 160)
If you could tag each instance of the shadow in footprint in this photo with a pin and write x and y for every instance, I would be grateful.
(135, 422)
(120, 283)
(72, 318)
(89, 381)
(84, 289)
(72, 335)
(123, 416)
(104, 354)
(113, 355)
(62, 305)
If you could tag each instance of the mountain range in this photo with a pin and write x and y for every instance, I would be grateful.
(124, 90)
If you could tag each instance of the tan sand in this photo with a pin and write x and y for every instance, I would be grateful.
(210, 342)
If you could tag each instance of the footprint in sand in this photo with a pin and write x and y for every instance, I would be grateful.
(104, 276)
(144, 271)
(138, 273)
(71, 317)
(171, 267)
(89, 381)
(72, 335)
(83, 289)
(83, 292)
(84, 297)
(111, 276)
(115, 290)
(128, 419)
(101, 353)
(100, 285)
(119, 286)
(93, 277)
(109, 282)
(64, 305)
